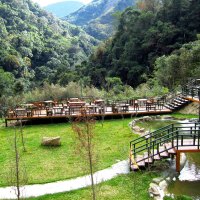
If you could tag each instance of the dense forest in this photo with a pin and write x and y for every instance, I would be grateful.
(155, 48)
(36, 47)
(157, 28)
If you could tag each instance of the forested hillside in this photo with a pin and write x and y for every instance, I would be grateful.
(157, 28)
(155, 48)
(99, 17)
(36, 47)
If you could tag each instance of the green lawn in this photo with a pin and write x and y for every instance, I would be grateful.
(50, 164)
(125, 187)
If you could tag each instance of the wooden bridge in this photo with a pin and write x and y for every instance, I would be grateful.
(171, 140)
(164, 143)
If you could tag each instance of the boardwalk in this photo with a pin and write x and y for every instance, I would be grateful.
(99, 111)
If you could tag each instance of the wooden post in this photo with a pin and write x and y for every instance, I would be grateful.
(178, 167)
(6, 122)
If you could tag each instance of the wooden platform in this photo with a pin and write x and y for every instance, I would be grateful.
(194, 99)
(43, 114)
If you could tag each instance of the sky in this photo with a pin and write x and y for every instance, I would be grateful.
(47, 2)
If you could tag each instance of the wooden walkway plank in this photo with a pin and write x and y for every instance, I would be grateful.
(148, 159)
(140, 163)
(163, 152)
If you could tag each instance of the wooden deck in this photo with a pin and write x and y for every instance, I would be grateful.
(95, 111)
(194, 99)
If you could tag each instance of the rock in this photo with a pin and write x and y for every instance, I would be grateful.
(168, 117)
(174, 179)
(132, 123)
(146, 119)
(154, 189)
(168, 179)
(158, 117)
(163, 185)
(142, 130)
(136, 128)
(157, 180)
(51, 141)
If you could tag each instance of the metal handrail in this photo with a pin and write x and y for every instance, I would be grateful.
(176, 136)
(173, 135)
(161, 141)
(155, 133)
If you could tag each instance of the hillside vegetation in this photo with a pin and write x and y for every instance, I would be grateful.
(156, 47)
(155, 29)
(98, 18)
(36, 47)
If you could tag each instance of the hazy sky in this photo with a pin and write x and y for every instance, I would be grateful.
(47, 2)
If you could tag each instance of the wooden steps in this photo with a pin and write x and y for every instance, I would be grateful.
(140, 163)
(176, 103)
(144, 160)
(163, 152)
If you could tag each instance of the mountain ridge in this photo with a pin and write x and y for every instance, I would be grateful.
(96, 18)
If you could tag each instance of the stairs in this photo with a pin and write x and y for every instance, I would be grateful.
(176, 103)
(163, 143)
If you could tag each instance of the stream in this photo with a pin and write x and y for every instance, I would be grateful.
(188, 181)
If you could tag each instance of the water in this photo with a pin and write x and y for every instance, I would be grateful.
(188, 181)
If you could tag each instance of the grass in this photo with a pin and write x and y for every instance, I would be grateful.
(132, 186)
(184, 116)
(51, 164)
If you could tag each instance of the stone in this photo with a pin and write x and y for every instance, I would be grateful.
(51, 141)
(163, 185)
(157, 180)
(174, 179)
(142, 130)
(158, 117)
(167, 117)
(136, 128)
(146, 119)
(168, 179)
(154, 189)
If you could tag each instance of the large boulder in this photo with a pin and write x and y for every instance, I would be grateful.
(51, 141)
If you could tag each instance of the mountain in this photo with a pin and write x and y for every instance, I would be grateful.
(142, 37)
(97, 17)
(64, 8)
(36, 47)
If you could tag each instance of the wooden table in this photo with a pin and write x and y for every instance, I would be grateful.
(123, 107)
(142, 102)
(20, 112)
(58, 110)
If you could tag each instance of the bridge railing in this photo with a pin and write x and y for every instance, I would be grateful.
(174, 133)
